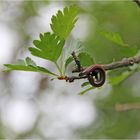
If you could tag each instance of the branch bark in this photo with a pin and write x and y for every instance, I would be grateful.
(137, 2)
(125, 62)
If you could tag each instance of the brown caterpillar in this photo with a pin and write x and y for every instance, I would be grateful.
(96, 75)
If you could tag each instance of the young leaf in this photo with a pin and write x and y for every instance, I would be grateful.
(28, 66)
(85, 84)
(63, 22)
(48, 47)
(29, 61)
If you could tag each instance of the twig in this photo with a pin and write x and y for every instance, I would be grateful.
(71, 79)
(137, 2)
(79, 67)
(125, 107)
(125, 62)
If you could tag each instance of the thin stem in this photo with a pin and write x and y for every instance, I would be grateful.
(61, 62)
(59, 69)
(79, 67)
(65, 70)
(137, 2)
(52, 74)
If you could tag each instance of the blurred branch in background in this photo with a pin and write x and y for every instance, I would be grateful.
(138, 2)
(125, 107)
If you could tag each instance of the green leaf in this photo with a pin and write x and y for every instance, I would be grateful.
(114, 37)
(48, 47)
(123, 47)
(44, 70)
(129, 51)
(86, 90)
(29, 61)
(19, 67)
(20, 62)
(85, 84)
(115, 80)
(68, 61)
(74, 45)
(85, 59)
(28, 66)
(63, 22)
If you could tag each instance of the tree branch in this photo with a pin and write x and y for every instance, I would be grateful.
(128, 106)
(125, 62)
(137, 2)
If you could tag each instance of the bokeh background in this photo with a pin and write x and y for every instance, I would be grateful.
(33, 106)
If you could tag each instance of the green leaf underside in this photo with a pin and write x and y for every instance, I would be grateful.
(74, 45)
(27, 66)
(48, 47)
(63, 22)
(68, 61)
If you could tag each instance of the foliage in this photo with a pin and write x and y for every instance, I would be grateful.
(114, 37)
(119, 26)
(28, 65)
(50, 46)
(63, 22)
(117, 39)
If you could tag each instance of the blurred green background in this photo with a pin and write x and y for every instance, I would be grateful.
(32, 106)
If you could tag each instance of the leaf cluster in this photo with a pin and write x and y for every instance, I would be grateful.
(50, 45)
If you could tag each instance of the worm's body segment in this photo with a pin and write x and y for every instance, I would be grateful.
(96, 75)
